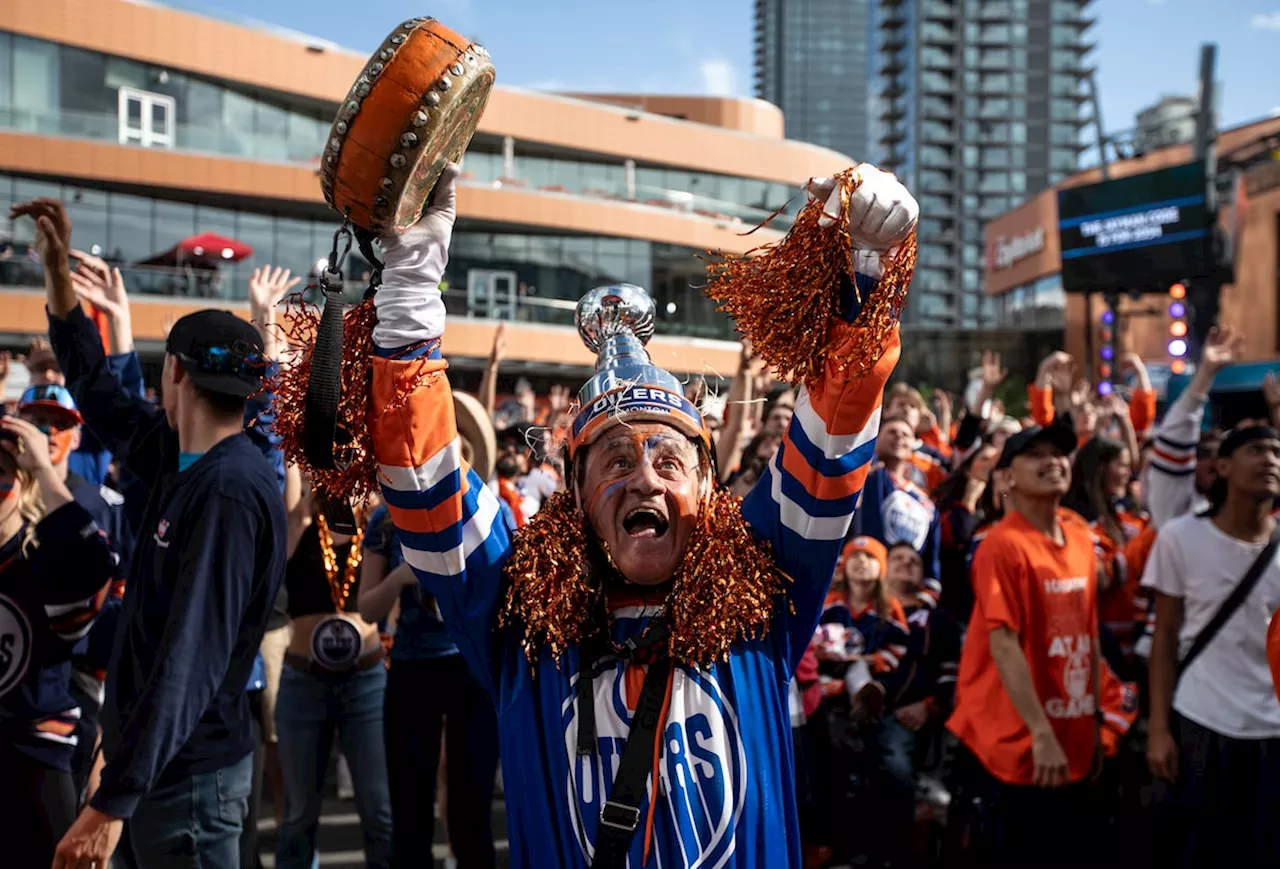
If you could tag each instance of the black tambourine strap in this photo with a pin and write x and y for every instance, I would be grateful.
(1229, 606)
(324, 388)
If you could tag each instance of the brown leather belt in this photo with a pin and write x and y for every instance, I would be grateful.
(307, 664)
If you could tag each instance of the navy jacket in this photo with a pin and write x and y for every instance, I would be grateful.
(208, 563)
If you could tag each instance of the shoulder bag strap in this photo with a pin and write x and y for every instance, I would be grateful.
(621, 815)
(1232, 603)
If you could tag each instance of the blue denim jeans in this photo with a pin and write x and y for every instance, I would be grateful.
(896, 802)
(194, 823)
(309, 711)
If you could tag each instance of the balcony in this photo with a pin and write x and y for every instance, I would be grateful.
(892, 90)
(937, 108)
(893, 111)
(991, 11)
(891, 22)
(894, 43)
(939, 10)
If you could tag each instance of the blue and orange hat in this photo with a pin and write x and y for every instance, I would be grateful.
(615, 322)
(51, 395)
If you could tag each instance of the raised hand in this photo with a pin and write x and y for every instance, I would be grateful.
(499, 350)
(993, 372)
(268, 287)
(559, 399)
(27, 444)
(1115, 406)
(53, 230)
(881, 211)
(1133, 362)
(1080, 393)
(100, 285)
(1055, 372)
(942, 402)
(1270, 391)
(1222, 347)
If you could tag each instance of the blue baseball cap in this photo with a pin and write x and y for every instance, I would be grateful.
(53, 396)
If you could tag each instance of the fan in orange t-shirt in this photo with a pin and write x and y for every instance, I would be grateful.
(1027, 695)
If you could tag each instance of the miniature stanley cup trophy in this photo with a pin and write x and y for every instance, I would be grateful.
(616, 322)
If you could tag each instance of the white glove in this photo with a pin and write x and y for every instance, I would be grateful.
(408, 302)
(881, 214)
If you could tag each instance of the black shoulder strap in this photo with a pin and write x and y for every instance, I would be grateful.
(324, 387)
(620, 816)
(1233, 602)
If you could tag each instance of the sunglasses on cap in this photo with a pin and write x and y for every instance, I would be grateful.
(225, 360)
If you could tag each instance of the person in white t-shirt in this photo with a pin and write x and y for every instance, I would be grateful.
(1217, 736)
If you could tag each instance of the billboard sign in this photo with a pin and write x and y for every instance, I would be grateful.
(1141, 232)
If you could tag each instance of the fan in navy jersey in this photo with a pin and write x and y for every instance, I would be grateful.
(920, 694)
(860, 642)
(55, 571)
(51, 409)
(893, 509)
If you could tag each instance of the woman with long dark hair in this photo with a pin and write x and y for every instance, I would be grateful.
(55, 570)
(1100, 478)
(960, 501)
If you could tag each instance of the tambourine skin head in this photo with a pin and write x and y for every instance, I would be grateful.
(412, 111)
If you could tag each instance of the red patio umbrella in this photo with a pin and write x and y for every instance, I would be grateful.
(206, 250)
(215, 247)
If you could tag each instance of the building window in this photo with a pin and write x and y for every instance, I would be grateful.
(145, 119)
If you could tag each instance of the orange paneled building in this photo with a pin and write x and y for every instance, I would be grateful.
(155, 125)
(1023, 257)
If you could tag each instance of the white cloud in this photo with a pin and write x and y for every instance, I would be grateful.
(717, 78)
(1265, 21)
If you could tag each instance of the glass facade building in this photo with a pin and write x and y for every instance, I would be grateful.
(812, 61)
(62, 91)
(977, 104)
(51, 89)
(548, 272)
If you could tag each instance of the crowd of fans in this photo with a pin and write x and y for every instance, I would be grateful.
(995, 679)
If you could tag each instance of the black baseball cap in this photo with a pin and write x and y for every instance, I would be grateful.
(1019, 442)
(1238, 437)
(219, 351)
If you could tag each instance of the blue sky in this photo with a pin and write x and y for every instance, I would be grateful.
(1145, 47)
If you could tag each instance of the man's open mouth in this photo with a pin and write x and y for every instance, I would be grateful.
(645, 522)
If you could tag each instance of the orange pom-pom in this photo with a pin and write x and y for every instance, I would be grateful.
(783, 293)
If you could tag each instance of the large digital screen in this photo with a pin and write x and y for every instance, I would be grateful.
(1141, 232)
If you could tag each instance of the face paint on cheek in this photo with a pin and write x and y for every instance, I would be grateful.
(7, 490)
(604, 492)
(59, 445)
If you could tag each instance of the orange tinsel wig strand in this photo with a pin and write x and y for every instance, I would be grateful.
(353, 479)
(725, 590)
(779, 292)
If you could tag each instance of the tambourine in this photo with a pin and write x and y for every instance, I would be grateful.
(413, 110)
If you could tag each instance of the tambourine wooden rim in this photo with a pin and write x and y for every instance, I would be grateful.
(413, 109)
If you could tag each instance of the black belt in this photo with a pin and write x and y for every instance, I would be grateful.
(620, 817)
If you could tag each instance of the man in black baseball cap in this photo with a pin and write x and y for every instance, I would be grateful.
(1018, 443)
(221, 353)
(209, 560)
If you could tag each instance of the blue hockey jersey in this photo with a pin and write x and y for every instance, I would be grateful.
(725, 793)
